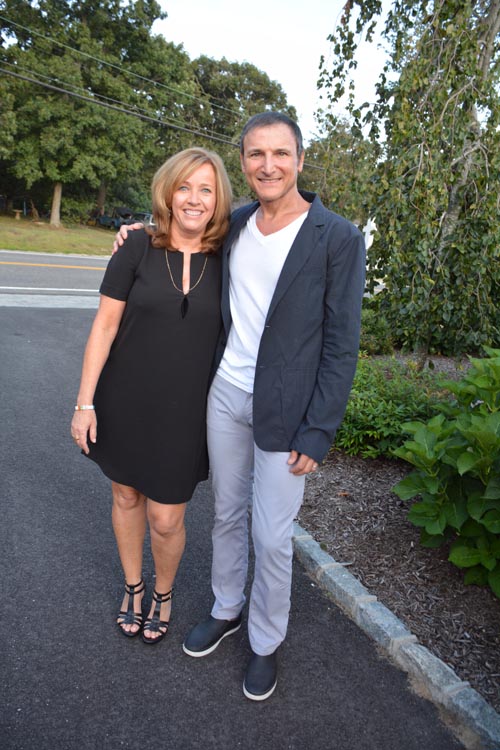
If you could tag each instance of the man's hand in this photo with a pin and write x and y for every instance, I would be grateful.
(301, 464)
(122, 233)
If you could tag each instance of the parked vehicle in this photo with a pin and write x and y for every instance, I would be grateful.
(120, 215)
(144, 217)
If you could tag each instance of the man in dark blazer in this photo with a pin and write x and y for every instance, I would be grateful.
(293, 281)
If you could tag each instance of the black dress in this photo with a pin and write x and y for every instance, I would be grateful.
(151, 397)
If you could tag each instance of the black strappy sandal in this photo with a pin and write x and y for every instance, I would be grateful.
(129, 616)
(154, 624)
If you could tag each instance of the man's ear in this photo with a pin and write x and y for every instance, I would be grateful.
(242, 163)
(301, 162)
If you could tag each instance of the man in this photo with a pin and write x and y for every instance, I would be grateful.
(293, 281)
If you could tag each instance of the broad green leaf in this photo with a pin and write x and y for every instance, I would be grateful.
(409, 487)
(423, 513)
(477, 507)
(456, 512)
(476, 575)
(464, 556)
(467, 460)
(438, 525)
(495, 547)
(488, 560)
(431, 540)
(492, 491)
(416, 484)
(491, 520)
(494, 580)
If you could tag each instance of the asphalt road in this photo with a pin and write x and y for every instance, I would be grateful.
(37, 274)
(71, 681)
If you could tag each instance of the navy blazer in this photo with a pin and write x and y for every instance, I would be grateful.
(309, 347)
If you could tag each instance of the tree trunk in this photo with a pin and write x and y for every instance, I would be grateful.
(55, 211)
(465, 160)
(35, 216)
(101, 198)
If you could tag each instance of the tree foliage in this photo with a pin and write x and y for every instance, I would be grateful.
(235, 91)
(435, 188)
(348, 162)
(93, 102)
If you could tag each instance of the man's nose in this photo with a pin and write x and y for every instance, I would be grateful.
(268, 164)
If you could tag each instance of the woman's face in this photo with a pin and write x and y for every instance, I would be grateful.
(193, 203)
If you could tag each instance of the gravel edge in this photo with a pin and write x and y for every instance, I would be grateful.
(430, 676)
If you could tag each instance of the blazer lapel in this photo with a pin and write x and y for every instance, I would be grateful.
(302, 247)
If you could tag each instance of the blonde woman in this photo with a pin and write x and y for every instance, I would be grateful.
(141, 407)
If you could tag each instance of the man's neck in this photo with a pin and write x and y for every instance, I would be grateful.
(275, 215)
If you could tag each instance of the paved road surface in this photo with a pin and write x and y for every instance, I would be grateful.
(71, 681)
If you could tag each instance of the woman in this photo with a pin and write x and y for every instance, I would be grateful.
(140, 412)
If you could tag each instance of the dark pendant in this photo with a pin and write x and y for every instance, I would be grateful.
(184, 306)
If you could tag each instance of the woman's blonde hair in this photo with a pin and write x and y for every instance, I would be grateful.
(170, 176)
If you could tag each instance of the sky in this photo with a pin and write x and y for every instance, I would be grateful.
(283, 38)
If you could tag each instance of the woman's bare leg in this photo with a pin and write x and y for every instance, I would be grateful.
(168, 538)
(129, 524)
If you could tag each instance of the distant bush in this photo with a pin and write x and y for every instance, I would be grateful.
(376, 335)
(456, 456)
(386, 393)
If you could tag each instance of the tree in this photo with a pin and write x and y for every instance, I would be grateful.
(436, 201)
(347, 164)
(83, 50)
(234, 92)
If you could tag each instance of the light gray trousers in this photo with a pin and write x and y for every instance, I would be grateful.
(242, 474)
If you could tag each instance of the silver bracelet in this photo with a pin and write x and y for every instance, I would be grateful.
(84, 407)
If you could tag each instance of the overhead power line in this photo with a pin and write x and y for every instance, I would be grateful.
(55, 80)
(122, 110)
(119, 68)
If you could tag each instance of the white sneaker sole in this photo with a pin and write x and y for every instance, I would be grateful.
(207, 651)
(262, 697)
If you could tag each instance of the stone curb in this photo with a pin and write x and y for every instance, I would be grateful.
(431, 676)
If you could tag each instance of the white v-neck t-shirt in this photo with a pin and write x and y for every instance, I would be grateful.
(255, 264)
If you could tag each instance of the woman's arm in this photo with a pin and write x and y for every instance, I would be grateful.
(102, 335)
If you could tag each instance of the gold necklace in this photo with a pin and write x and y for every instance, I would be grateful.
(185, 303)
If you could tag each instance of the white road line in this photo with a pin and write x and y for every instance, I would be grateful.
(47, 289)
(48, 301)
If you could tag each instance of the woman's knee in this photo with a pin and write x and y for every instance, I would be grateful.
(126, 498)
(166, 520)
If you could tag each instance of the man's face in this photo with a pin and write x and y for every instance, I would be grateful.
(270, 162)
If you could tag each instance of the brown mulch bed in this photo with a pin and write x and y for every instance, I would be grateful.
(350, 509)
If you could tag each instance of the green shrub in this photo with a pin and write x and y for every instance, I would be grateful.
(386, 393)
(376, 335)
(457, 476)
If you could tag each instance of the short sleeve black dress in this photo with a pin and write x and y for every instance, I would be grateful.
(151, 397)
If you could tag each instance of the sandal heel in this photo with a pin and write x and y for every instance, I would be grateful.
(154, 624)
(129, 616)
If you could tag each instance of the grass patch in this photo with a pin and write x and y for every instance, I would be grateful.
(40, 237)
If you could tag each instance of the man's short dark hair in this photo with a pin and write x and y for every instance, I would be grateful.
(265, 119)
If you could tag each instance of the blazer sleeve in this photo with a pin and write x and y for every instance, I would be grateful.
(345, 285)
